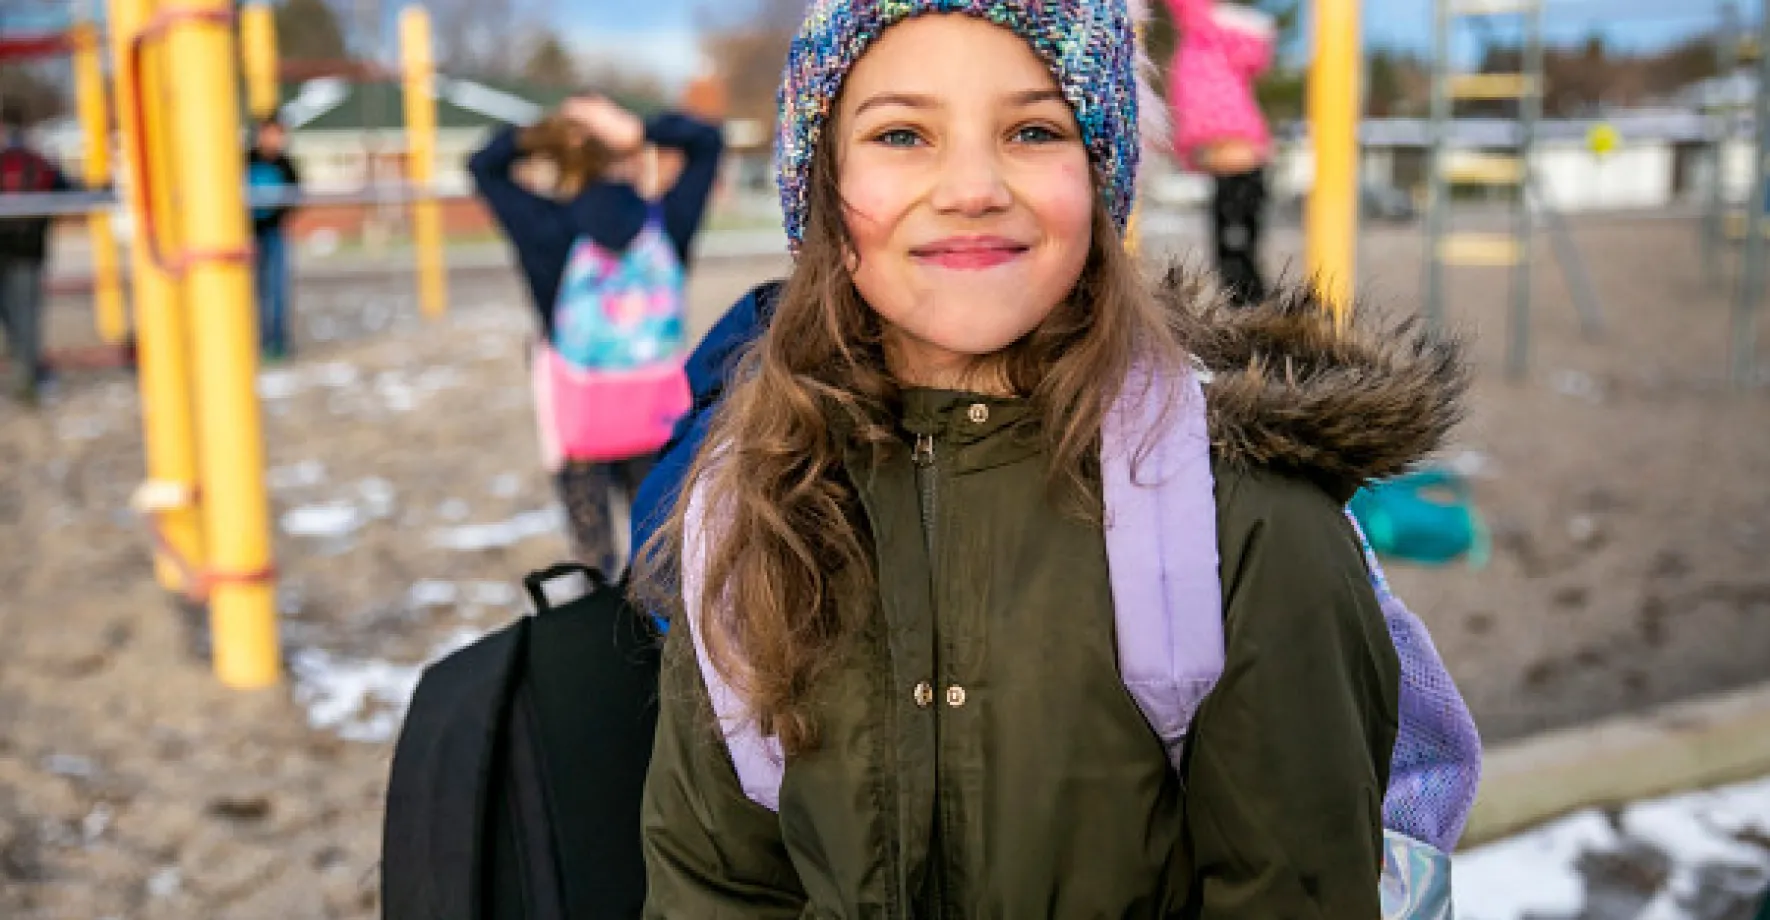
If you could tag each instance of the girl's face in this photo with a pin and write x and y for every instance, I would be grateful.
(969, 195)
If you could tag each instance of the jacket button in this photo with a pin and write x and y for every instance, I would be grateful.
(924, 694)
(978, 414)
(955, 696)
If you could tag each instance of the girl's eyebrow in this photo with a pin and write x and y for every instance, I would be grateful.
(1035, 96)
(911, 100)
(1021, 98)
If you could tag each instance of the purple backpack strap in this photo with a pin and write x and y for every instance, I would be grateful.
(759, 761)
(1161, 549)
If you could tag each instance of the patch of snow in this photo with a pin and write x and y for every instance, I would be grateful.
(481, 537)
(454, 510)
(1536, 874)
(335, 519)
(336, 374)
(165, 883)
(80, 429)
(322, 329)
(1471, 464)
(378, 497)
(506, 485)
(1702, 829)
(281, 383)
(1577, 385)
(361, 700)
(1533, 874)
(438, 377)
(492, 594)
(70, 765)
(296, 475)
(96, 822)
(396, 394)
(429, 593)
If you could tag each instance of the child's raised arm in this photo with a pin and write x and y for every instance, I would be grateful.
(686, 202)
(527, 218)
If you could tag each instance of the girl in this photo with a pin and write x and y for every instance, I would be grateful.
(896, 687)
(594, 147)
(1219, 130)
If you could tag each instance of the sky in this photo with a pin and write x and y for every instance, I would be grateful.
(659, 33)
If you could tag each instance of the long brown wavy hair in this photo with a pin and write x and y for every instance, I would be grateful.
(788, 561)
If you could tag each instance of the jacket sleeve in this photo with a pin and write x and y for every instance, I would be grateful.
(1188, 13)
(522, 213)
(1248, 53)
(1289, 756)
(685, 203)
(710, 852)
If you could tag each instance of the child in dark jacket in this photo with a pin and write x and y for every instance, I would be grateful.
(269, 170)
(595, 147)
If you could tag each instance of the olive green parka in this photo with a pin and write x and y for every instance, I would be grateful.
(980, 756)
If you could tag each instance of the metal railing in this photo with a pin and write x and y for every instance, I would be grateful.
(65, 204)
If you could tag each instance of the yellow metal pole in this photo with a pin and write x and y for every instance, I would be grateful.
(258, 51)
(95, 130)
(162, 337)
(414, 39)
(204, 115)
(1332, 226)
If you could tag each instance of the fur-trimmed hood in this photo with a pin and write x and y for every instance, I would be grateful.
(1289, 391)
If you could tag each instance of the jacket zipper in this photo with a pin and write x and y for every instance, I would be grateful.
(927, 479)
(924, 457)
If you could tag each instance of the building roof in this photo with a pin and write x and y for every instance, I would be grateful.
(336, 104)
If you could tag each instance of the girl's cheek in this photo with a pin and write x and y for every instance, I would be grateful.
(1066, 202)
(875, 200)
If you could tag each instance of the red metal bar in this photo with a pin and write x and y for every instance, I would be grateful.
(25, 47)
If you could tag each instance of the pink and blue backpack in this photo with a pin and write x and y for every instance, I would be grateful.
(609, 383)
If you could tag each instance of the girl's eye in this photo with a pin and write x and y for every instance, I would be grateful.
(1036, 134)
(897, 137)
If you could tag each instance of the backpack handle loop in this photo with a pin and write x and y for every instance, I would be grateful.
(536, 582)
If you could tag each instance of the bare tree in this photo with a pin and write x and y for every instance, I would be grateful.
(33, 91)
(550, 63)
(483, 37)
(308, 30)
(637, 90)
(747, 43)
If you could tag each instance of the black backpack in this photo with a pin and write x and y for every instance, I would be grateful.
(517, 777)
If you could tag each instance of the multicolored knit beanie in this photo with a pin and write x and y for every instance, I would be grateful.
(1090, 46)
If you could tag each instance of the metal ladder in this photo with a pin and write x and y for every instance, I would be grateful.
(1452, 168)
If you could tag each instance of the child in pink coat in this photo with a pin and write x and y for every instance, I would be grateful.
(1218, 127)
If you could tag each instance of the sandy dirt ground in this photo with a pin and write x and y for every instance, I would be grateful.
(1626, 486)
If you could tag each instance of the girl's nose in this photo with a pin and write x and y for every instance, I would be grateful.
(971, 184)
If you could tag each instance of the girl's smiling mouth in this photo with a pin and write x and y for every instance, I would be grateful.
(969, 253)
